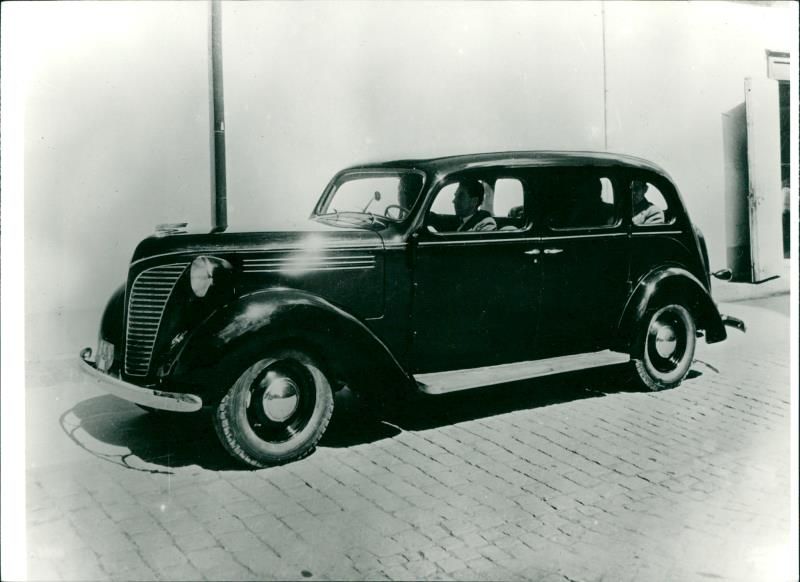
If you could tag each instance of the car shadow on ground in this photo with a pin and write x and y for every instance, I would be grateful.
(121, 433)
(428, 412)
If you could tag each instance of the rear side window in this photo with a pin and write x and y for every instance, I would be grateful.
(649, 205)
(578, 200)
(508, 197)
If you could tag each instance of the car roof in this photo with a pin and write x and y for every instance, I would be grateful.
(456, 163)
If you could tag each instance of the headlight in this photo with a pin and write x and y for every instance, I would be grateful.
(204, 272)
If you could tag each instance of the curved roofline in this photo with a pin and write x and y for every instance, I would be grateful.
(453, 163)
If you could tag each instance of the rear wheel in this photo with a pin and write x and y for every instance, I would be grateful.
(276, 411)
(665, 347)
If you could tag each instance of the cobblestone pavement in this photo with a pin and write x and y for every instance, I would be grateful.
(567, 478)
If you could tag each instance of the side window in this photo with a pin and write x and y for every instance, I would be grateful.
(470, 204)
(443, 204)
(579, 201)
(649, 205)
(508, 203)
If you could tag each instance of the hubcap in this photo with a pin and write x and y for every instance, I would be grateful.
(666, 341)
(281, 400)
(281, 397)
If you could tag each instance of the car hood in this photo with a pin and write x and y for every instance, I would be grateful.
(305, 236)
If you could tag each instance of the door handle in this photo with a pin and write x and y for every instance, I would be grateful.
(553, 251)
(533, 252)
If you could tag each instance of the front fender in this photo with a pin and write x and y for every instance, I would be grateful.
(670, 284)
(111, 324)
(228, 341)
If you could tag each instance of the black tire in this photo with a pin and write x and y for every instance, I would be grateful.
(664, 347)
(276, 411)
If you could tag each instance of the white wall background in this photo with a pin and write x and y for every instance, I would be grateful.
(117, 126)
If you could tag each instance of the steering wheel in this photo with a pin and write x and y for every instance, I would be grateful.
(401, 212)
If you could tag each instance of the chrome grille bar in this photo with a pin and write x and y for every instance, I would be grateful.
(148, 296)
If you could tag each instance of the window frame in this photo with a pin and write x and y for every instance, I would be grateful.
(670, 194)
(489, 177)
(345, 175)
(609, 172)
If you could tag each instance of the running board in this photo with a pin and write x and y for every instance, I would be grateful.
(454, 380)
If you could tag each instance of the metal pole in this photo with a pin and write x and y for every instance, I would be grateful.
(219, 195)
(605, 85)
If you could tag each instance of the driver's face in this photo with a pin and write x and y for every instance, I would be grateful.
(463, 204)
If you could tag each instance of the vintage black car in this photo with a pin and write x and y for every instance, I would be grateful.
(401, 284)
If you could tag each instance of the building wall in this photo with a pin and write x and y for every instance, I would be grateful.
(116, 125)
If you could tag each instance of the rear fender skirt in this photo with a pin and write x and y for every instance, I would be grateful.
(215, 353)
(665, 283)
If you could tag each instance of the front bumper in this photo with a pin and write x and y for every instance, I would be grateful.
(172, 401)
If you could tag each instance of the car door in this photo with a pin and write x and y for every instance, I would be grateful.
(585, 258)
(476, 294)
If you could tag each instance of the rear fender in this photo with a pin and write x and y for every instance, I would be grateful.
(228, 341)
(670, 284)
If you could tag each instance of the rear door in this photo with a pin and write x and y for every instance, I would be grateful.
(585, 257)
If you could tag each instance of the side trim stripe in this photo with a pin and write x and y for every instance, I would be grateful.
(223, 250)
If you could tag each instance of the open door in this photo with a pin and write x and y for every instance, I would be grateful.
(765, 202)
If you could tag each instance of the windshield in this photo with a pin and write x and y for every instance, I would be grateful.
(370, 197)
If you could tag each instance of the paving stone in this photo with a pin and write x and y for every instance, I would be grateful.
(151, 540)
(240, 541)
(281, 541)
(209, 558)
(197, 540)
(262, 562)
(163, 556)
(385, 524)
(466, 553)
(320, 505)
(411, 540)
(121, 511)
(184, 571)
(223, 525)
(422, 569)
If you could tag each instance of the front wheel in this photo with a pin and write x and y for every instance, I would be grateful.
(665, 347)
(276, 411)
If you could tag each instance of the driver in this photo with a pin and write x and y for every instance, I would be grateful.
(467, 200)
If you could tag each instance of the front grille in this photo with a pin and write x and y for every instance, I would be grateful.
(147, 298)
